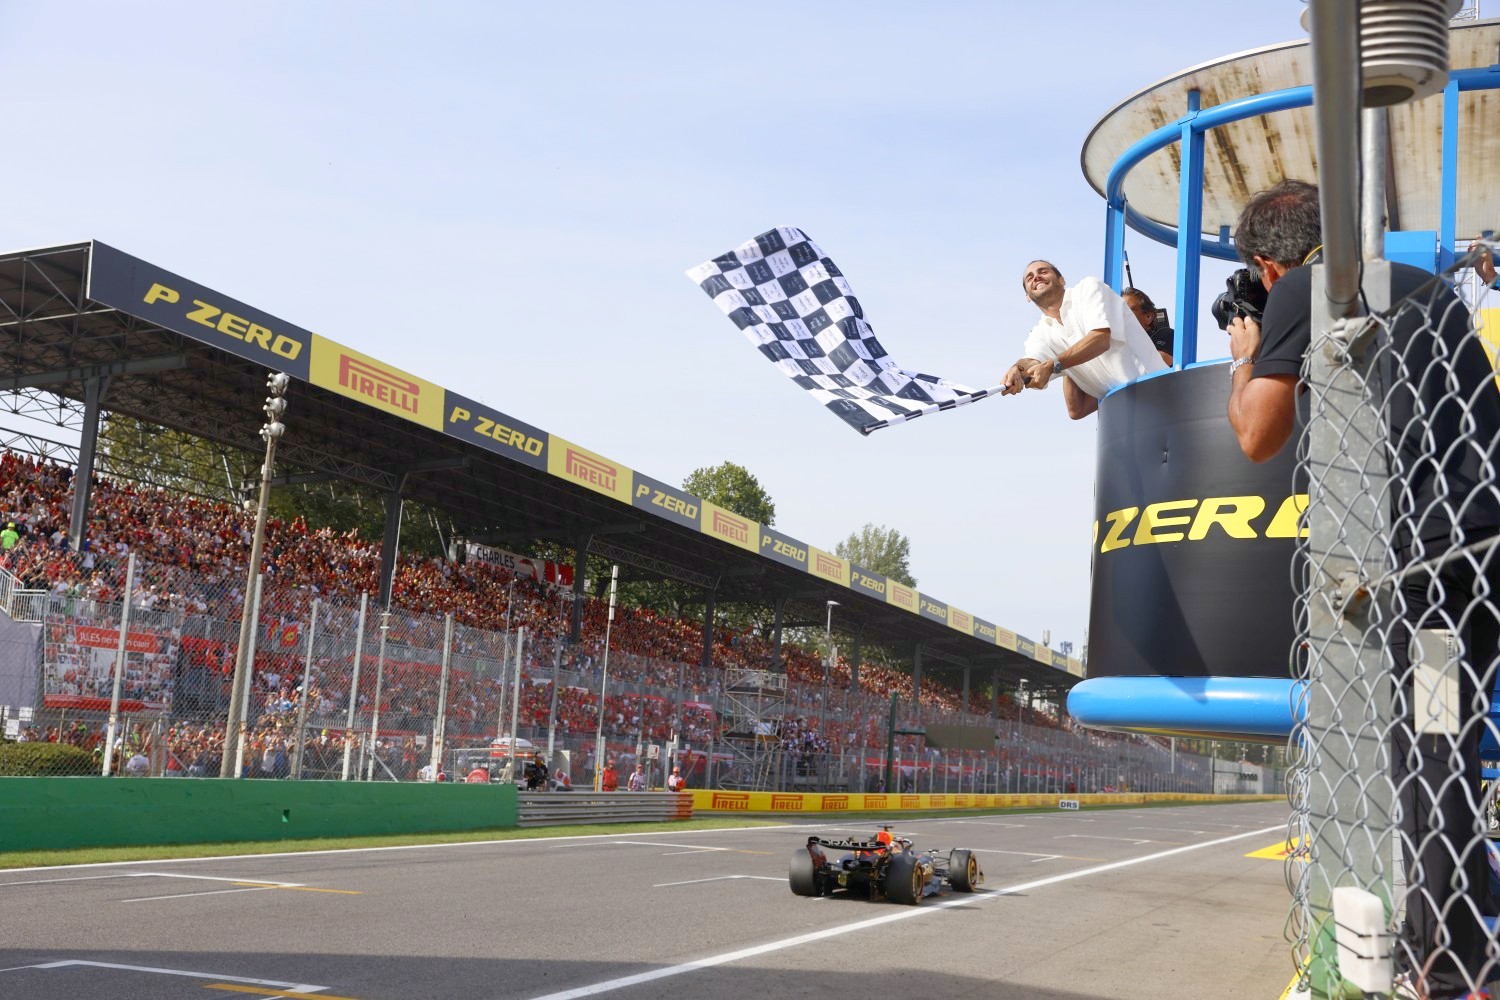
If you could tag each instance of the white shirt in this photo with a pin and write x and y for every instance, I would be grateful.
(1093, 305)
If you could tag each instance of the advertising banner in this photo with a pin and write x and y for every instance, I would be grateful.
(577, 464)
(174, 303)
(901, 596)
(360, 377)
(729, 527)
(783, 548)
(676, 505)
(933, 609)
(867, 582)
(961, 621)
(79, 660)
(493, 431)
(1193, 559)
(828, 566)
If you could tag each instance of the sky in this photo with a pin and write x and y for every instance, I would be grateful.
(503, 198)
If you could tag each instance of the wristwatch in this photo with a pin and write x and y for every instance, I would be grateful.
(1057, 368)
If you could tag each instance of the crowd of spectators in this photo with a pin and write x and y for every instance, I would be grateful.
(191, 557)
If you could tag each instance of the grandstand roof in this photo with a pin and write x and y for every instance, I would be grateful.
(189, 358)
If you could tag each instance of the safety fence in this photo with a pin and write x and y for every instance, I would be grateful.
(1399, 616)
(352, 692)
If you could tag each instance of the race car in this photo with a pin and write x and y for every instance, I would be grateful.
(886, 866)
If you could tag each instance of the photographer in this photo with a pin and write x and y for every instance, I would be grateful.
(1444, 412)
(1152, 320)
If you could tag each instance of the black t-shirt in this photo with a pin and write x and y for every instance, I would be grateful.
(1443, 404)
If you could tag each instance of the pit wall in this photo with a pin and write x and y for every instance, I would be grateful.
(59, 813)
(709, 801)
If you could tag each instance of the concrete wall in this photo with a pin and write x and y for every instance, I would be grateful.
(46, 813)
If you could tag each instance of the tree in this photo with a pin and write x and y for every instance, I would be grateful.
(881, 549)
(734, 488)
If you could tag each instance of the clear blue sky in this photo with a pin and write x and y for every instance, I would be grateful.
(503, 198)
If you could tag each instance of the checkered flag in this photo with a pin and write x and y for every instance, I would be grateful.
(795, 306)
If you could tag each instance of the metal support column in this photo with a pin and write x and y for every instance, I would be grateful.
(916, 679)
(390, 546)
(83, 477)
(778, 610)
(580, 567)
(708, 631)
(1189, 236)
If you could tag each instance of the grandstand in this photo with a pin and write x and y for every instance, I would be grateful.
(93, 326)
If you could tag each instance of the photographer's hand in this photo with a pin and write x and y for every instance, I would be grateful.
(1244, 338)
(1484, 267)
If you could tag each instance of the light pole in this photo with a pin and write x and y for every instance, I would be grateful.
(614, 578)
(827, 667)
(273, 429)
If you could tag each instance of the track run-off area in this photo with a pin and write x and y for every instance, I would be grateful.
(1132, 903)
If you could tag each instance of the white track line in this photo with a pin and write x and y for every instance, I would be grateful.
(275, 984)
(610, 985)
(373, 850)
(721, 878)
(210, 892)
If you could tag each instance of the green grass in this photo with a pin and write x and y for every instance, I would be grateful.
(163, 852)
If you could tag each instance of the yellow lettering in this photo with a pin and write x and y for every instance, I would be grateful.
(458, 414)
(1288, 518)
(257, 335)
(235, 326)
(1232, 514)
(484, 427)
(203, 313)
(161, 293)
(1156, 516)
(1118, 520)
(642, 490)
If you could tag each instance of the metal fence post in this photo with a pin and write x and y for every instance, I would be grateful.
(114, 698)
(244, 720)
(515, 707)
(1347, 798)
(312, 636)
(440, 724)
(359, 655)
(385, 628)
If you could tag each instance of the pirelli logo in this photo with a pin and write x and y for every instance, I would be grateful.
(731, 801)
(827, 564)
(385, 388)
(786, 803)
(960, 801)
(597, 473)
(911, 802)
(961, 620)
(733, 528)
(939, 801)
(586, 468)
(357, 376)
(876, 802)
(901, 596)
(835, 803)
(730, 527)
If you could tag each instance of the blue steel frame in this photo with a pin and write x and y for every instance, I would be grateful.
(1223, 705)
(1189, 130)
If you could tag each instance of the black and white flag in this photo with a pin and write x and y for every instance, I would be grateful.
(795, 306)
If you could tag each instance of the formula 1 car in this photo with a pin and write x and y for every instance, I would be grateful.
(886, 867)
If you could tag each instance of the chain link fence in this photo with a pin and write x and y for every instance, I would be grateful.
(348, 691)
(1395, 869)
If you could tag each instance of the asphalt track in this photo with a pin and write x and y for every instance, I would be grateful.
(1138, 903)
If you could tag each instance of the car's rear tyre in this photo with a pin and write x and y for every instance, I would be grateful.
(903, 879)
(963, 871)
(801, 874)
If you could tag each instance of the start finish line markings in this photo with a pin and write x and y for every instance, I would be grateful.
(611, 985)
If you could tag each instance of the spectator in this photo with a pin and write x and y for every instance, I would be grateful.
(1152, 320)
(638, 779)
(9, 537)
(675, 781)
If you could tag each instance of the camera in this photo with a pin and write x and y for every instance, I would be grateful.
(1244, 296)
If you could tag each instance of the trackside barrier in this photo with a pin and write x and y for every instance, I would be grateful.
(575, 808)
(710, 801)
(60, 813)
